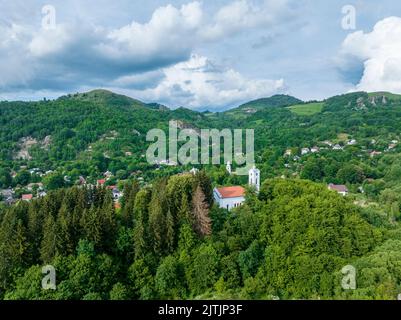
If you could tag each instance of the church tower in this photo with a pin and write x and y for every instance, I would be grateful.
(254, 178)
(228, 167)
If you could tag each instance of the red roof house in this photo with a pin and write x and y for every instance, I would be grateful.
(27, 197)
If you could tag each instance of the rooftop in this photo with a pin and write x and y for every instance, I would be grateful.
(338, 188)
(231, 192)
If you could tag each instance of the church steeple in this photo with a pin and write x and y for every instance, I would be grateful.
(254, 178)
(228, 167)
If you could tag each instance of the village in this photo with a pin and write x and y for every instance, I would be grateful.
(226, 197)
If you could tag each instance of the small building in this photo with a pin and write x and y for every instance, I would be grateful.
(194, 171)
(233, 197)
(338, 147)
(229, 197)
(27, 197)
(288, 153)
(315, 150)
(340, 189)
(352, 142)
(101, 182)
(375, 153)
(305, 151)
(116, 193)
(42, 194)
(328, 143)
(81, 181)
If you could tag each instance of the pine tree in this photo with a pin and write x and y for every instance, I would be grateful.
(202, 222)
(34, 232)
(184, 212)
(128, 203)
(64, 227)
(170, 239)
(91, 226)
(203, 180)
(109, 224)
(49, 244)
(139, 240)
(157, 219)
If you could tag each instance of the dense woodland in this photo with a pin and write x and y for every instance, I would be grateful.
(168, 239)
(290, 241)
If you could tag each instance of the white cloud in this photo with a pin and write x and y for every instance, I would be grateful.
(198, 83)
(243, 14)
(380, 53)
(153, 58)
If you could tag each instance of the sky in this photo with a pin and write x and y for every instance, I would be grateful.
(210, 54)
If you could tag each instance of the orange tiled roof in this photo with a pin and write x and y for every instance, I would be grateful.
(231, 192)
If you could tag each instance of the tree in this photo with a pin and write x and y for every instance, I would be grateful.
(5, 178)
(200, 211)
(204, 181)
(22, 178)
(350, 174)
(313, 170)
(49, 243)
(119, 292)
(54, 181)
(168, 279)
(203, 271)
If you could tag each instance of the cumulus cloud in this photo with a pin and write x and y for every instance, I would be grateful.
(243, 15)
(199, 83)
(379, 52)
(154, 57)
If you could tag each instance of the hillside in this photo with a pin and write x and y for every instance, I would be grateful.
(163, 240)
(90, 133)
(264, 103)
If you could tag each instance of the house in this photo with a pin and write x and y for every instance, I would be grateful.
(8, 196)
(116, 193)
(338, 147)
(375, 153)
(352, 142)
(233, 197)
(42, 194)
(288, 153)
(315, 150)
(328, 143)
(82, 181)
(27, 197)
(304, 151)
(108, 175)
(341, 189)
(229, 197)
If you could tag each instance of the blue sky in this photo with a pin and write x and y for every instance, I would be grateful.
(198, 54)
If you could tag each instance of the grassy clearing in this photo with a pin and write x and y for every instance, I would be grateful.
(307, 109)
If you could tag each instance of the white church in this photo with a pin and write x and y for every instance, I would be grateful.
(233, 197)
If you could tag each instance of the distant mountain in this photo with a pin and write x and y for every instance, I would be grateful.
(279, 100)
(105, 97)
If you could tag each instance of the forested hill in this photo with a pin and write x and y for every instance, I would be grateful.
(165, 238)
(90, 133)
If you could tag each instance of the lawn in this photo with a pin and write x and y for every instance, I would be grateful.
(307, 109)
